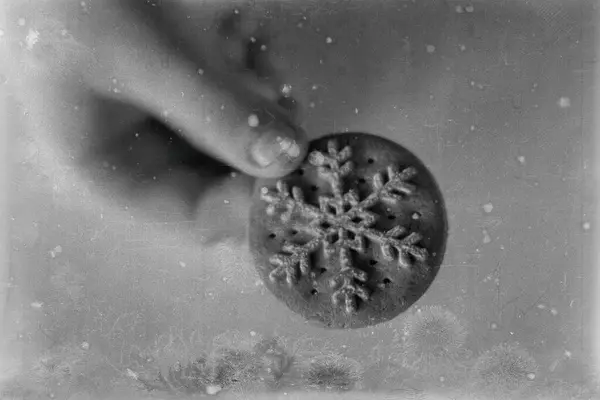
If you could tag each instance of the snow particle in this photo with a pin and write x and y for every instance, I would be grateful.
(541, 306)
(85, 346)
(56, 251)
(494, 326)
(263, 47)
(534, 86)
(564, 102)
(469, 8)
(226, 201)
(21, 21)
(1, 33)
(253, 120)
(314, 87)
(356, 111)
(182, 264)
(553, 311)
(521, 159)
(462, 47)
(459, 9)
(286, 90)
(430, 48)
(488, 207)
(32, 38)
(586, 226)
(328, 40)
(37, 304)
(531, 376)
(486, 237)
(200, 71)
(311, 104)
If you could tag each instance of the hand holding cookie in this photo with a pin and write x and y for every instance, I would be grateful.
(140, 95)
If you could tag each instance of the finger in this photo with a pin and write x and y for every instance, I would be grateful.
(213, 111)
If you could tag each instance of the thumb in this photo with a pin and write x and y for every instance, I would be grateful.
(215, 111)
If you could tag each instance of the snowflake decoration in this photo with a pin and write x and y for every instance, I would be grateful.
(342, 223)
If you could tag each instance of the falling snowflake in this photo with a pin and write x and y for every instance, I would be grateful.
(33, 36)
(564, 102)
(286, 90)
(488, 207)
(346, 217)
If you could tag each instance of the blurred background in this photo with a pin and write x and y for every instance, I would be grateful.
(496, 99)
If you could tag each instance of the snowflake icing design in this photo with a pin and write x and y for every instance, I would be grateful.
(346, 218)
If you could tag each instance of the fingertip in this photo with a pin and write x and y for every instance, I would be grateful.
(301, 151)
(279, 151)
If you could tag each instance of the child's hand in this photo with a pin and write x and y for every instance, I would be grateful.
(90, 74)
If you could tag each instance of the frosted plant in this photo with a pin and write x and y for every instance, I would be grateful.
(342, 223)
(432, 341)
(503, 369)
(235, 361)
(61, 365)
(224, 369)
(333, 372)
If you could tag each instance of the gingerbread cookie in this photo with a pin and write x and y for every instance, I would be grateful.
(353, 237)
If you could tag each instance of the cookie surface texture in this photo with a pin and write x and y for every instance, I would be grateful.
(353, 237)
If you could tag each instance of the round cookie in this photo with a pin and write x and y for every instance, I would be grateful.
(353, 237)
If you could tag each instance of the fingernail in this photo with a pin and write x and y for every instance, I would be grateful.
(276, 146)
